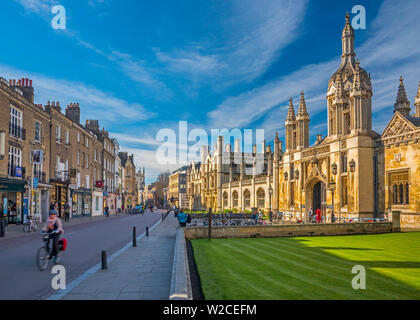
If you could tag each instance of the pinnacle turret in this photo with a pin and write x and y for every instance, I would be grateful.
(291, 111)
(402, 104)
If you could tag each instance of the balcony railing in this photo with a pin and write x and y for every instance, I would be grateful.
(14, 171)
(17, 131)
(62, 176)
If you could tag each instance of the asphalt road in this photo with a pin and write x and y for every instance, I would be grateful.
(19, 275)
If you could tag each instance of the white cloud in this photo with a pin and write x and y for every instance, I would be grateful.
(390, 51)
(94, 102)
(258, 29)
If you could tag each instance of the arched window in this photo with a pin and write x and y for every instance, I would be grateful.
(401, 193)
(261, 199)
(225, 200)
(247, 199)
(395, 194)
(235, 199)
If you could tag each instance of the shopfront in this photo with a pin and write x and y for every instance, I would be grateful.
(40, 200)
(97, 202)
(59, 195)
(82, 202)
(11, 195)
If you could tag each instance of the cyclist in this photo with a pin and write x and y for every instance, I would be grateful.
(54, 225)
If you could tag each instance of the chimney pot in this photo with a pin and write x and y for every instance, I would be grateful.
(30, 83)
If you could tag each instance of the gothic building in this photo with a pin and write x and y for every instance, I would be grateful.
(351, 172)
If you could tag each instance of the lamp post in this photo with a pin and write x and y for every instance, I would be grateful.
(297, 183)
(331, 186)
(286, 175)
(270, 193)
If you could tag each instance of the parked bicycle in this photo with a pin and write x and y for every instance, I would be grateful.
(44, 254)
(30, 224)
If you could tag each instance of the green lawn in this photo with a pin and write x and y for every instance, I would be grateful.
(310, 267)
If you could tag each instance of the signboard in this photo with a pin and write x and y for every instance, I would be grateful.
(5, 206)
(37, 156)
(105, 194)
(35, 183)
(18, 172)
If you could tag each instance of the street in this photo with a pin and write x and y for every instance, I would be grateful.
(20, 277)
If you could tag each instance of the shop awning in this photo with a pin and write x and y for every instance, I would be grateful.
(12, 185)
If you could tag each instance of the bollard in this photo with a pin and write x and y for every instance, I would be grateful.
(2, 228)
(162, 217)
(134, 237)
(104, 260)
(147, 231)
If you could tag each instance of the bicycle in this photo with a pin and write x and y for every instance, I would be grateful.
(30, 224)
(43, 256)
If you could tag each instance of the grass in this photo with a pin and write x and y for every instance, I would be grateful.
(309, 267)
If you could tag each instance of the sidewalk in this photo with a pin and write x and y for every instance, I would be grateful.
(13, 230)
(143, 272)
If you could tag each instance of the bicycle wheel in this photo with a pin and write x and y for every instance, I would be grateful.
(35, 226)
(42, 258)
(26, 227)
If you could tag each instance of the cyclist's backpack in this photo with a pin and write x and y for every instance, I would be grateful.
(63, 244)
(188, 219)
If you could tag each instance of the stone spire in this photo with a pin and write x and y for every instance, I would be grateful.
(302, 112)
(291, 112)
(348, 39)
(417, 102)
(402, 104)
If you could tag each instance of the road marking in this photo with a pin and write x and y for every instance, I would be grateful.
(61, 293)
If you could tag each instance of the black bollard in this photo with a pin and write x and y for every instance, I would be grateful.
(104, 260)
(134, 237)
(147, 231)
(2, 228)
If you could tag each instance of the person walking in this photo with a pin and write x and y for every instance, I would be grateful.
(107, 211)
(311, 215)
(66, 212)
(182, 218)
(318, 215)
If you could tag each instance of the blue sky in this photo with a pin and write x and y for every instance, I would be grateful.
(140, 66)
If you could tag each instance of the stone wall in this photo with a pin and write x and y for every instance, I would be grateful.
(293, 230)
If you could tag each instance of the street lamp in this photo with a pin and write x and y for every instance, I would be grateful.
(270, 193)
(332, 186)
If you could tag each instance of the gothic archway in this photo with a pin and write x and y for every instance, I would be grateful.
(260, 199)
(315, 195)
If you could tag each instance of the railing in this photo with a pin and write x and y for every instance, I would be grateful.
(62, 176)
(13, 171)
(17, 131)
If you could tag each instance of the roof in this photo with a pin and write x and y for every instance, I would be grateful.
(414, 120)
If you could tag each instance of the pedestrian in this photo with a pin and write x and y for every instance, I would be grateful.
(182, 218)
(332, 217)
(66, 212)
(107, 211)
(311, 215)
(318, 215)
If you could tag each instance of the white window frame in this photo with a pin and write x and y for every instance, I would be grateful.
(38, 131)
(57, 133)
(15, 158)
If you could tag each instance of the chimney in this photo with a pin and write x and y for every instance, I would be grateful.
(254, 148)
(73, 112)
(263, 147)
(268, 149)
(92, 125)
(227, 148)
(236, 145)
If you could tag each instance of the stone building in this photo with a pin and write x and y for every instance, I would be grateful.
(178, 188)
(401, 141)
(340, 173)
(129, 184)
(24, 152)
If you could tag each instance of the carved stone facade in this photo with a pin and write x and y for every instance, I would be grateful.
(351, 172)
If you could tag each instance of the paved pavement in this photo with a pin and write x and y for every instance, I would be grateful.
(142, 272)
(20, 278)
